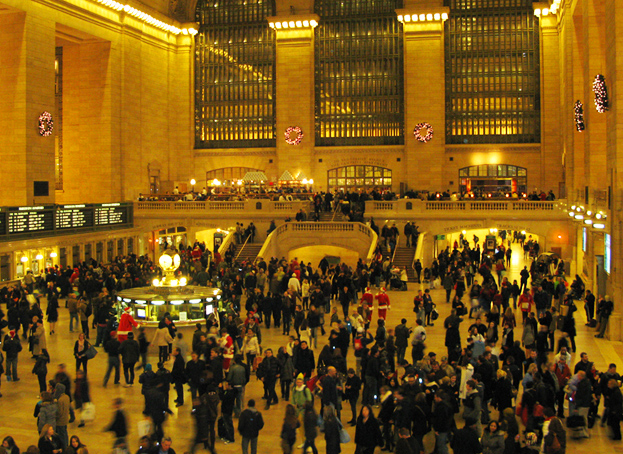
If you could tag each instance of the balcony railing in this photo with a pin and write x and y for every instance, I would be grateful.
(256, 206)
(434, 208)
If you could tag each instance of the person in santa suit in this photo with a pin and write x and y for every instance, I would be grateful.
(126, 322)
(367, 297)
(227, 344)
(383, 300)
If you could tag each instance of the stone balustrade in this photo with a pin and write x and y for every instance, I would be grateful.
(259, 207)
(408, 208)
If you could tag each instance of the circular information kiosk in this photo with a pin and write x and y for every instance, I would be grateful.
(186, 304)
(190, 304)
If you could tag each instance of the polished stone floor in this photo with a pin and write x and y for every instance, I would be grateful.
(19, 399)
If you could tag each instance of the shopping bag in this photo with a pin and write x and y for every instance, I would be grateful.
(88, 411)
(91, 352)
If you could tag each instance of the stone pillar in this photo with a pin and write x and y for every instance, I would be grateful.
(424, 82)
(26, 90)
(295, 92)
(551, 164)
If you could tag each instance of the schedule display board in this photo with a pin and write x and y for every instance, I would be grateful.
(110, 214)
(46, 220)
(30, 219)
(74, 216)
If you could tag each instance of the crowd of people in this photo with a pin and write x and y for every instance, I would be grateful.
(484, 380)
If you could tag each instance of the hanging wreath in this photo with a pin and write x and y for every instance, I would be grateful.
(601, 93)
(46, 124)
(294, 135)
(578, 111)
(417, 132)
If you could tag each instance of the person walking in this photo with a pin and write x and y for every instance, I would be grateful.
(62, 413)
(112, 348)
(332, 428)
(288, 429)
(162, 339)
(130, 354)
(310, 428)
(249, 426)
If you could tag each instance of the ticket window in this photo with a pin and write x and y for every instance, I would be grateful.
(110, 251)
(130, 246)
(88, 252)
(62, 257)
(75, 255)
(120, 247)
(5, 268)
(99, 252)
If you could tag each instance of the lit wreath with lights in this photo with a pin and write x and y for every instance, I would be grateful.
(578, 113)
(601, 93)
(417, 132)
(294, 130)
(46, 124)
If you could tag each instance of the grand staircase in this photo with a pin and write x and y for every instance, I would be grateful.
(248, 252)
(404, 258)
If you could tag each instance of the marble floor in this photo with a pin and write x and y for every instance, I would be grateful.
(19, 398)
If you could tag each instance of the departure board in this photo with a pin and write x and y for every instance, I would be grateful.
(73, 217)
(30, 219)
(111, 213)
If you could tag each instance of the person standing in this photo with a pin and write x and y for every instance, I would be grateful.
(368, 432)
(80, 352)
(72, 305)
(227, 394)
(269, 371)
(402, 334)
(465, 440)
(130, 353)
(310, 428)
(442, 421)
(604, 309)
(83, 312)
(249, 426)
(36, 338)
(615, 408)
(52, 312)
(589, 306)
(112, 348)
(12, 346)
(178, 376)
(126, 322)
(162, 339)
(288, 429)
(62, 413)
(82, 395)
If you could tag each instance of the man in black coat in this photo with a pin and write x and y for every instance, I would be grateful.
(178, 375)
(402, 334)
(194, 372)
(130, 353)
(304, 362)
(268, 371)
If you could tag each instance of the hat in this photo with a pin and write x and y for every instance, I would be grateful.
(367, 289)
(431, 354)
(383, 289)
(300, 377)
(130, 335)
(127, 309)
(360, 330)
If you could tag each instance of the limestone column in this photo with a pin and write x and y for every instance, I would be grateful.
(424, 82)
(26, 90)
(295, 91)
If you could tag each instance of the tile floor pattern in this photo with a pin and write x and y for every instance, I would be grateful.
(19, 398)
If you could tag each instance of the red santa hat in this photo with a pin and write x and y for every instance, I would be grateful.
(127, 309)
(383, 289)
(368, 289)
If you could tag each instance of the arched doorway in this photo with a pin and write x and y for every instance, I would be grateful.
(494, 179)
(359, 177)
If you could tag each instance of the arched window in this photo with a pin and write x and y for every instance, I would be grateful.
(234, 74)
(492, 72)
(229, 173)
(359, 177)
(359, 73)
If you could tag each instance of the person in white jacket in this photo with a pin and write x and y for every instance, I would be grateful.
(162, 339)
(251, 347)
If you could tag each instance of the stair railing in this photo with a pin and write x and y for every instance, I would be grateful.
(335, 210)
(419, 251)
(240, 251)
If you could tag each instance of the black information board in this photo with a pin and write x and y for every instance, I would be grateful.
(73, 216)
(2, 223)
(30, 219)
(110, 214)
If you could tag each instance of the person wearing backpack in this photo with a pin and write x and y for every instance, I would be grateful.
(249, 426)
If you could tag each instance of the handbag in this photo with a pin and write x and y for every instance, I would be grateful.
(434, 314)
(553, 446)
(344, 437)
(88, 411)
(91, 352)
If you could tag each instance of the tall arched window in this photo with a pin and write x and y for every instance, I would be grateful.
(234, 74)
(359, 73)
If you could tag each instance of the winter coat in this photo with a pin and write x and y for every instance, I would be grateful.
(250, 423)
(162, 338)
(130, 351)
(47, 415)
(63, 404)
(492, 443)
